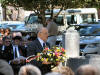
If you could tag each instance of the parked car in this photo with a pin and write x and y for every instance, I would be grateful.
(90, 39)
(15, 26)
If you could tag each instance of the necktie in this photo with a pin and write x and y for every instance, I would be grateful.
(15, 53)
(43, 45)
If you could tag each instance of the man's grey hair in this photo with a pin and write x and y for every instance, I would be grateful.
(53, 73)
(87, 70)
(29, 70)
(5, 68)
(41, 29)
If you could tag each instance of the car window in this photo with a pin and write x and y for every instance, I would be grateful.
(14, 26)
(90, 31)
(33, 19)
(59, 20)
(87, 18)
(71, 19)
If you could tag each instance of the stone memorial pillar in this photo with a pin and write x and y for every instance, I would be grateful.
(71, 41)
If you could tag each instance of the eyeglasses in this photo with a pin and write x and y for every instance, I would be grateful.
(7, 41)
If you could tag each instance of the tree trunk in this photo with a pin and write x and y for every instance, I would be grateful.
(4, 14)
(43, 17)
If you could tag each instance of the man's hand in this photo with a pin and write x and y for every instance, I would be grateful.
(14, 61)
(46, 62)
(17, 61)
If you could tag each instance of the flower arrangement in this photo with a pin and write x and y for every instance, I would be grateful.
(53, 55)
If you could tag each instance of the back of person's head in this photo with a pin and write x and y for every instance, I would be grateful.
(29, 70)
(5, 68)
(53, 73)
(64, 70)
(2, 30)
(7, 29)
(87, 70)
(17, 34)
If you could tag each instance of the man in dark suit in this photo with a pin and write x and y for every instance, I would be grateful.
(17, 41)
(6, 52)
(37, 46)
(19, 54)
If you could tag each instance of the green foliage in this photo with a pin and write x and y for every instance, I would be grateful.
(39, 6)
(46, 4)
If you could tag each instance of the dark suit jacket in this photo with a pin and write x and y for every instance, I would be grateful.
(34, 48)
(22, 51)
(8, 54)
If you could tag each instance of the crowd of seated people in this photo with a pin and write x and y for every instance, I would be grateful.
(14, 49)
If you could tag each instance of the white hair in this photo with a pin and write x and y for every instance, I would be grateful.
(87, 70)
(53, 73)
(29, 70)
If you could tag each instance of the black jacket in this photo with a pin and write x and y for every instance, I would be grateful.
(34, 48)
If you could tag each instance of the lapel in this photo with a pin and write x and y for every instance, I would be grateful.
(39, 46)
(20, 50)
(47, 44)
(12, 52)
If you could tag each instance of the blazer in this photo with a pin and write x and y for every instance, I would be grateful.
(33, 48)
(8, 54)
(22, 50)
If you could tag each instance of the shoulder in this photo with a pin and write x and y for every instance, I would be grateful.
(30, 43)
(33, 42)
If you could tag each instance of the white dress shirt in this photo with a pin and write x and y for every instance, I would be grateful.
(41, 41)
(3, 47)
(17, 50)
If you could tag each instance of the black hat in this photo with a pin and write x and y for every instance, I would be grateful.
(17, 38)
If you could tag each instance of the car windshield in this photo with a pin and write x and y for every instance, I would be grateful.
(35, 19)
(15, 26)
(90, 31)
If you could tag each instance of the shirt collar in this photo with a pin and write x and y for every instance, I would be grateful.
(3, 47)
(41, 41)
(15, 45)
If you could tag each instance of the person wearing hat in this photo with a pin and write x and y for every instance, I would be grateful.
(19, 52)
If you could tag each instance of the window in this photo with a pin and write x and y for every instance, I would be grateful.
(71, 19)
(59, 20)
(90, 31)
(33, 19)
(87, 18)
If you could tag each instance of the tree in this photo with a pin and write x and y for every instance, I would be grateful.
(40, 6)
